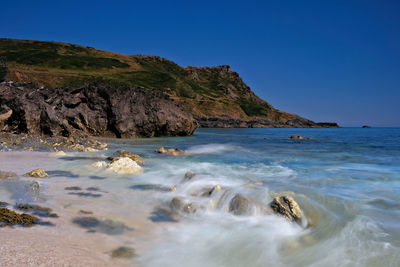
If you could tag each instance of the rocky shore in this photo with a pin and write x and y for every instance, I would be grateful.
(91, 110)
(233, 122)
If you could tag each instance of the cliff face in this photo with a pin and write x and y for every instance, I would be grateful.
(215, 96)
(91, 110)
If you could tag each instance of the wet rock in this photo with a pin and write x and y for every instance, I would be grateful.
(123, 252)
(34, 187)
(92, 188)
(122, 153)
(37, 210)
(155, 187)
(9, 217)
(172, 151)
(100, 164)
(7, 175)
(209, 191)
(72, 188)
(104, 226)
(177, 205)
(240, 205)
(300, 137)
(85, 194)
(162, 215)
(125, 166)
(287, 207)
(188, 176)
(37, 173)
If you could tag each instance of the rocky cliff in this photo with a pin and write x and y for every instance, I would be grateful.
(91, 110)
(216, 96)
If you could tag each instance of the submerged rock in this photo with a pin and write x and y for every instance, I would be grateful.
(9, 217)
(7, 175)
(209, 191)
(34, 187)
(125, 166)
(37, 210)
(300, 137)
(37, 173)
(122, 153)
(240, 205)
(188, 176)
(287, 207)
(172, 151)
(177, 205)
(123, 252)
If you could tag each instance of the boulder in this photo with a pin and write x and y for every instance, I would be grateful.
(287, 207)
(240, 205)
(177, 205)
(209, 191)
(37, 173)
(122, 153)
(125, 166)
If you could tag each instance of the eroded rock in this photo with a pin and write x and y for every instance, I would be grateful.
(287, 207)
(37, 173)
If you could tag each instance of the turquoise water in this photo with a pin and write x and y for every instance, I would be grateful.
(347, 182)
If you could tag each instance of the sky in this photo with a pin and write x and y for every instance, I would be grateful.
(331, 60)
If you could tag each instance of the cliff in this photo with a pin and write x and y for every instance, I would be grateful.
(215, 96)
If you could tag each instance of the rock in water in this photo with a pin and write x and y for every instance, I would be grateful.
(122, 153)
(92, 110)
(240, 205)
(37, 173)
(188, 176)
(100, 164)
(287, 207)
(172, 151)
(125, 166)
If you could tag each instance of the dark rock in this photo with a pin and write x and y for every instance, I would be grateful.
(177, 205)
(37, 210)
(234, 122)
(91, 110)
(109, 227)
(366, 126)
(287, 207)
(328, 124)
(72, 188)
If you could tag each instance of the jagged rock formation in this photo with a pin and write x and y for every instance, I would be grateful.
(216, 96)
(91, 110)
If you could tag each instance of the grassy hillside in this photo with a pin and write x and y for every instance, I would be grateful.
(203, 91)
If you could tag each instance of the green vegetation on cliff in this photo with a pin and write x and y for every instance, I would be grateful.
(203, 91)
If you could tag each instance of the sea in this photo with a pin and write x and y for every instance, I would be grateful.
(345, 180)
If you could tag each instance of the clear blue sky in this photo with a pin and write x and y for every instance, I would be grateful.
(324, 60)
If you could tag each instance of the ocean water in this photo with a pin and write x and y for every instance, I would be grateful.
(347, 182)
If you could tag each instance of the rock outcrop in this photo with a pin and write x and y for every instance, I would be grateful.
(91, 110)
(287, 207)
